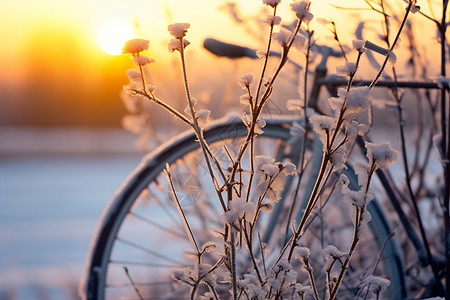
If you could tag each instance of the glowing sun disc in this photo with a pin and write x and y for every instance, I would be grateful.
(113, 34)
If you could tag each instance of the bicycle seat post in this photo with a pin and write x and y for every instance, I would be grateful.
(320, 73)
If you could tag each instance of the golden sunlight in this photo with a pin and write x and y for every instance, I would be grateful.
(113, 34)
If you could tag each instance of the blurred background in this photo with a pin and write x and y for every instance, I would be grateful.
(63, 150)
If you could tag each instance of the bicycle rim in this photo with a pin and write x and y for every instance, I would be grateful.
(141, 229)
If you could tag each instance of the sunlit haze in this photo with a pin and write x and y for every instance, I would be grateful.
(63, 54)
(113, 34)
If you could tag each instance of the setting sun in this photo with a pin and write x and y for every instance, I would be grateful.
(113, 34)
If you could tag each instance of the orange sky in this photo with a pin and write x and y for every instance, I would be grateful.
(21, 19)
(57, 39)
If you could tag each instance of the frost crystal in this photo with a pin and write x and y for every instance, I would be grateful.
(301, 10)
(336, 102)
(355, 129)
(266, 205)
(283, 264)
(290, 169)
(245, 80)
(175, 44)
(151, 88)
(357, 100)
(375, 283)
(239, 208)
(359, 45)
(321, 123)
(208, 247)
(263, 160)
(302, 253)
(135, 46)
(349, 68)
(271, 20)
(356, 198)
(338, 159)
(142, 60)
(203, 117)
(282, 37)
(274, 283)
(303, 289)
(392, 57)
(245, 99)
(260, 123)
(178, 30)
(249, 279)
(261, 53)
(270, 169)
(299, 42)
(272, 3)
(363, 231)
(334, 252)
(366, 216)
(323, 126)
(382, 155)
(362, 170)
(134, 75)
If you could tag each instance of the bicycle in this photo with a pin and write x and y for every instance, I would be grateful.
(145, 196)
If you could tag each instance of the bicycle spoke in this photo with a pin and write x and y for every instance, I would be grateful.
(150, 240)
(157, 225)
(144, 264)
(144, 249)
(127, 284)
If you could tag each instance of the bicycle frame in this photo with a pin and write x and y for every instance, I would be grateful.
(321, 79)
(332, 84)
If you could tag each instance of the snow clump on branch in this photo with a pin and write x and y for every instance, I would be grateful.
(135, 46)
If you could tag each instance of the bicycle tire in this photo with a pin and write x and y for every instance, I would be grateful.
(106, 237)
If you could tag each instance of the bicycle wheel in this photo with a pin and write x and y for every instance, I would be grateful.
(141, 238)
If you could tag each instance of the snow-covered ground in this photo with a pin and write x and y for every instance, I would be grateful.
(54, 185)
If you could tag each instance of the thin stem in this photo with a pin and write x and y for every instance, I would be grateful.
(410, 191)
(386, 23)
(374, 82)
(166, 106)
(356, 238)
(261, 248)
(255, 104)
(346, 263)
(233, 264)
(264, 98)
(200, 278)
(336, 37)
(249, 243)
(309, 269)
(309, 206)
(199, 132)
(266, 60)
(305, 99)
(181, 212)
(305, 135)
